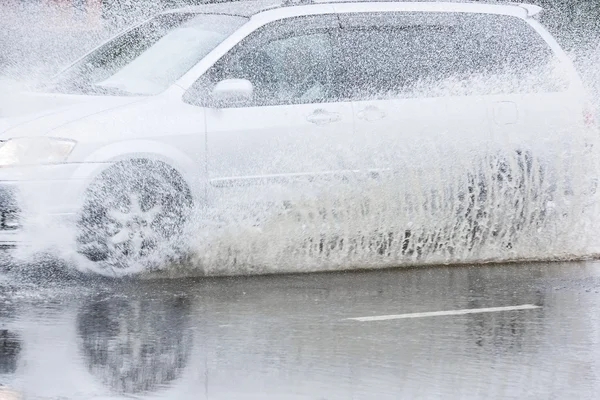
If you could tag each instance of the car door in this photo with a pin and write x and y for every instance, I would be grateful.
(292, 130)
(537, 108)
(411, 127)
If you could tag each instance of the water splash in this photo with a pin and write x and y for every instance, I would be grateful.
(475, 204)
(491, 215)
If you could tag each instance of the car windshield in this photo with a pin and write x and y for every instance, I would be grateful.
(149, 58)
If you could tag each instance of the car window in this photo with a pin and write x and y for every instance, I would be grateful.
(288, 71)
(287, 63)
(450, 54)
(149, 58)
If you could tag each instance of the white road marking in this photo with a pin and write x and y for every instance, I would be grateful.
(444, 313)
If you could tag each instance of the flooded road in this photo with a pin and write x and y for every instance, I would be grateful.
(517, 331)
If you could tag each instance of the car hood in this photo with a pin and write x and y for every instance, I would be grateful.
(34, 114)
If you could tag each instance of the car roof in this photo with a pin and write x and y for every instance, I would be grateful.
(243, 8)
(248, 8)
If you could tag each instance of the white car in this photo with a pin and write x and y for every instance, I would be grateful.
(453, 105)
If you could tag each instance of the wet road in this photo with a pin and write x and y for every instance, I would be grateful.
(519, 331)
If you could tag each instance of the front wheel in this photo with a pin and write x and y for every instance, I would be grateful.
(132, 217)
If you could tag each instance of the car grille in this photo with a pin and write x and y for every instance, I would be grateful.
(9, 209)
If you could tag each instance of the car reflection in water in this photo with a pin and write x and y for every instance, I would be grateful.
(135, 345)
(10, 349)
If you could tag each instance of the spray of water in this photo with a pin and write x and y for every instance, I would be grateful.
(495, 209)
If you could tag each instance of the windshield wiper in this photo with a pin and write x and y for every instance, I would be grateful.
(110, 91)
(72, 87)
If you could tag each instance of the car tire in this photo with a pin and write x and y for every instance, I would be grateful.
(132, 218)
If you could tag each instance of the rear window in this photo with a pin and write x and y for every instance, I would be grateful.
(440, 54)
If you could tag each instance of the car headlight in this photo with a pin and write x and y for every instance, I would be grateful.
(35, 150)
(6, 394)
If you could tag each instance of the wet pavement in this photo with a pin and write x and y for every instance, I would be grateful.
(518, 331)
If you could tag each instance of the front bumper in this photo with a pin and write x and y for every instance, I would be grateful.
(36, 198)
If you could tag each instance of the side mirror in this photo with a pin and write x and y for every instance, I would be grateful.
(232, 91)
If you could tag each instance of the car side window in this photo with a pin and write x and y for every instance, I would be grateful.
(425, 55)
(285, 64)
(292, 70)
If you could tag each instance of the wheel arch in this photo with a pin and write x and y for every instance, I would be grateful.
(190, 171)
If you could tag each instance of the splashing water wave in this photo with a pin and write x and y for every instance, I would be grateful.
(507, 209)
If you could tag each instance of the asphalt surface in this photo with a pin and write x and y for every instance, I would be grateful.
(515, 331)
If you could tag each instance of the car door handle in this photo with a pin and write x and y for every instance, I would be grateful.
(323, 117)
(371, 113)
